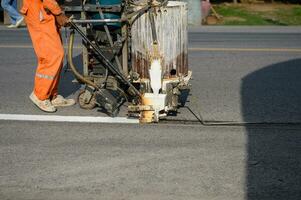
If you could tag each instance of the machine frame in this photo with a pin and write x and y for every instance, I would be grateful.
(117, 84)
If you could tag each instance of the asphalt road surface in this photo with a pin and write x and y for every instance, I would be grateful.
(241, 75)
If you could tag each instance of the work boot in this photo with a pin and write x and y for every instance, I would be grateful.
(60, 101)
(11, 26)
(19, 22)
(44, 105)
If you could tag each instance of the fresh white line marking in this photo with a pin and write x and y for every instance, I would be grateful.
(57, 118)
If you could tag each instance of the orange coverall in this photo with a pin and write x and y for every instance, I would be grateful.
(47, 44)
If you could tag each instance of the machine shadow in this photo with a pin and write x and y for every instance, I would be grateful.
(68, 84)
(183, 98)
(273, 95)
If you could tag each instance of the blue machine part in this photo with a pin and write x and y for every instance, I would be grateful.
(107, 15)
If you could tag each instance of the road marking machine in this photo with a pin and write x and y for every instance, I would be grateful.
(134, 53)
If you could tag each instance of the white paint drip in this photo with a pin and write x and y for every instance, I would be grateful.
(155, 74)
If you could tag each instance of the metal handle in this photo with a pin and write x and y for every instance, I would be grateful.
(87, 21)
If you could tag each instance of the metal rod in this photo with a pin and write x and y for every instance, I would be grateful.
(153, 26)
(110, 66)
(86, 21)
(124, 32)
(110, 38)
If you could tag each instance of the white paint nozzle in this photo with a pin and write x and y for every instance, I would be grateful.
(155, 74)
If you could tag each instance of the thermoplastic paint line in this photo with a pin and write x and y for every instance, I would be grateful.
(57, 118)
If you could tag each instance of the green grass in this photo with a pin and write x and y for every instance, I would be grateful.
(289, 16)
(239, 15)
(246, 17)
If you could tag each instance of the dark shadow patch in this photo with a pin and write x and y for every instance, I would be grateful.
(183, 98)
(68, 84)
(273, 95)
(275, 22)
(1, 16)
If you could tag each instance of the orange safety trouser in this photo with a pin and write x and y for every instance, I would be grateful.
(47, 43)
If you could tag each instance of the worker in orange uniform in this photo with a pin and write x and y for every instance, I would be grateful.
(44, 19)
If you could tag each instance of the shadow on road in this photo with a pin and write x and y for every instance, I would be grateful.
(67, 85)
(273, 94)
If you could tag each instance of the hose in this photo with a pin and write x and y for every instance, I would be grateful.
(77, 75)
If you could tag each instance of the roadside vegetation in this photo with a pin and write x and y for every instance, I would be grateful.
(259, 14)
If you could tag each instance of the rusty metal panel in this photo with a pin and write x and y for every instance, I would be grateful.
(171, 28)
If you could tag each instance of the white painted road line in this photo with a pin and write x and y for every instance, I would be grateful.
(57, 118)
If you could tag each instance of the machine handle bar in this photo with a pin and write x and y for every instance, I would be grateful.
(87, 21)
(110, 66)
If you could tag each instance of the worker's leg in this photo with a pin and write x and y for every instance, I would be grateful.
(50, 57)
(10, 7)
(50, 54)
(49, 50)
(54, 89)
(58, 100)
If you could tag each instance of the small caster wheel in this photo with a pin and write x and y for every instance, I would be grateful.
(81, 101)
